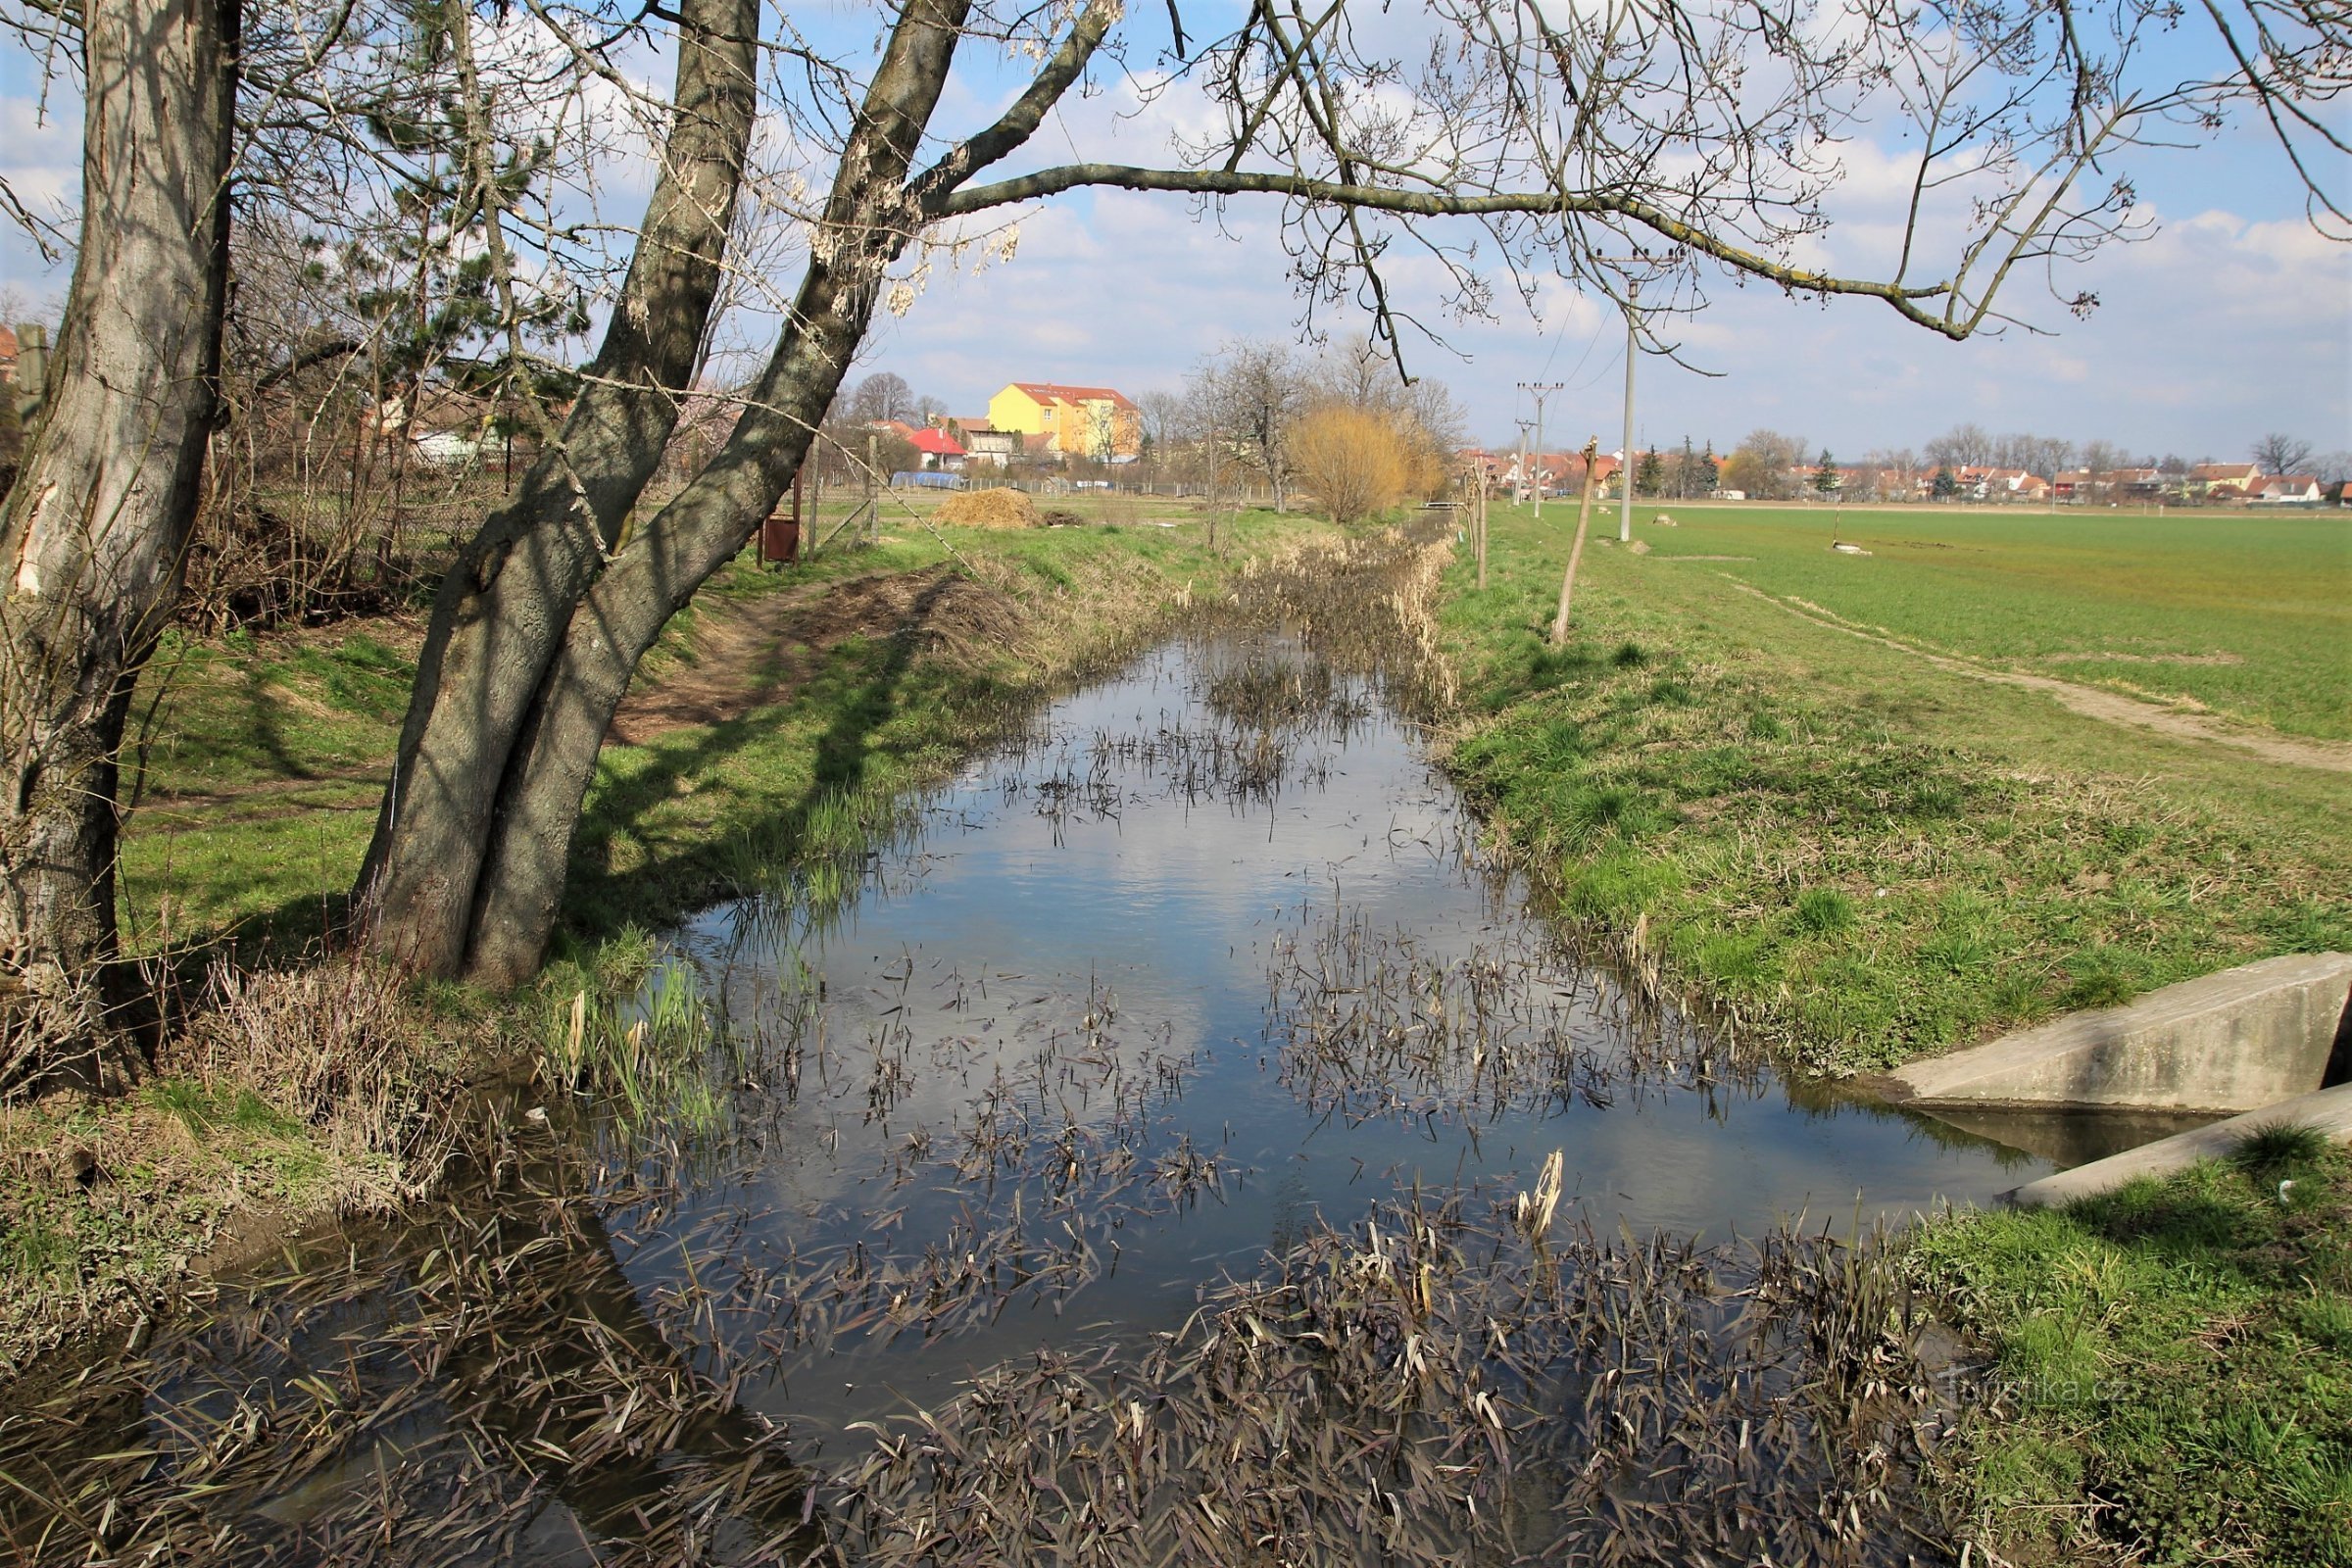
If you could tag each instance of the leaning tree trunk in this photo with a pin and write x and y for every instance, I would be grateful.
(93, 535)
(646, 583)
(653, 577)
(501, 611)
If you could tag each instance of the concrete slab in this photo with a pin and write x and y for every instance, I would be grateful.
(2229, 1042)
(2328, 1109)
(2064, 1135)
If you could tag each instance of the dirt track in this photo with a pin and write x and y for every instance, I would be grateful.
(2091, 702)
(752, 655)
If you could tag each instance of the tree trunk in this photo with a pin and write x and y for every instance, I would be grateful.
(653, 577)
(501, 611)
(1576, 551)
(94, 533)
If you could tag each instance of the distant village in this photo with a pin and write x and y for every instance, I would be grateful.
(1029, 422)
(1032, 423)
(1053, 432)
(1670, 475)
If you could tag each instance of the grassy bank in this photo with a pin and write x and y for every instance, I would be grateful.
(1866, 854)
(789, 714)
(2171, 1366)
(1780, 779)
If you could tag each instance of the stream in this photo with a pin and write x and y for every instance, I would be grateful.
(1193, 1016)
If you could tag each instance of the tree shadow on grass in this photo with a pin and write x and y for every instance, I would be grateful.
(861, 686)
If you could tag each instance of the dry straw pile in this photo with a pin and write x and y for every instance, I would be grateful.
(990, 509)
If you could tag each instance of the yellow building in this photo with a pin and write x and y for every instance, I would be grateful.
(1079, 421)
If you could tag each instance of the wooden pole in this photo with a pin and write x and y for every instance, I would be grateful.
(1482, 528)
(1584, 515)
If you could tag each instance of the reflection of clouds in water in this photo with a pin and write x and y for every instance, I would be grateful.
(1180, 908)
(1164, 906)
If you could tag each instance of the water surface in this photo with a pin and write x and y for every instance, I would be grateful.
(1204, 968)
(1140, 891)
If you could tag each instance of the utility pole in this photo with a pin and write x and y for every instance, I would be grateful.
(1625, 473)
(1540, 390)
(1519, 481)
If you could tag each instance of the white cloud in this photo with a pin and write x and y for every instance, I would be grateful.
(2234, 318)
(40, 160)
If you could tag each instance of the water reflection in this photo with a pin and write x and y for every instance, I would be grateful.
(1200, 976)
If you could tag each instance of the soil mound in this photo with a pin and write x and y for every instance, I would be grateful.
(990, 509)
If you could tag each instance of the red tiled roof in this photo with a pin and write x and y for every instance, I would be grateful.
(936, 442)
(1055, 392)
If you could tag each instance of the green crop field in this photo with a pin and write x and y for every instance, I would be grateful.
(2249, 615)
(1864, 852)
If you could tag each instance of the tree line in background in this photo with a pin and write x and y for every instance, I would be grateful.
(1769, 465)
(1340, 424)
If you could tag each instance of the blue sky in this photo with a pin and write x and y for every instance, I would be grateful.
(2233, 319)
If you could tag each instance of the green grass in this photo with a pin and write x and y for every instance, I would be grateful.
(265, 758)
(2171, 1366)
(245, 710)
(1856, 853)
(175, 1163)
(2263, 602)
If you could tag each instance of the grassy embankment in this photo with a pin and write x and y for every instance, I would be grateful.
(1864, 856)
(264, 759)
(1868, 857)
(2171, 1366)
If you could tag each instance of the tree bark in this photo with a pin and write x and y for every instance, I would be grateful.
(93, 535)
(653, 577)
(1576, 551)
(502, 613)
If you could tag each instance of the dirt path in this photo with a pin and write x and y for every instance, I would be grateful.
(2113, 707)
(753, 654)
(374, 773)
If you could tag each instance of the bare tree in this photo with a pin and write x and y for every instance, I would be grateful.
(2045, 457)
(1894, 473)
(1251, 394)
(1964, 446)
(1766, 466)
(96, 526)
(1164, 430)
(882, 396)
(1702, 137)
(1354, 372)
(2100, 460)
(2278, 452)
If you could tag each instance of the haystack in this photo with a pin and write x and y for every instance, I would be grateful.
(990, 509)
